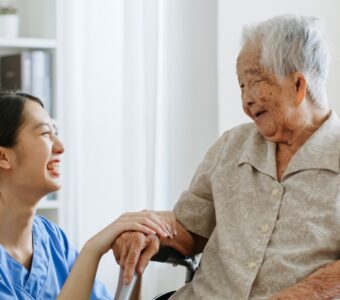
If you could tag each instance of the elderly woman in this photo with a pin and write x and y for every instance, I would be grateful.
(265, 202)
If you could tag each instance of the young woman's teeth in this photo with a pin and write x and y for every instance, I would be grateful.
(53, 166)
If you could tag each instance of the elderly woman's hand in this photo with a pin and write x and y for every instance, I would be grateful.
(288, 296)
(133, 250)
(323, 284)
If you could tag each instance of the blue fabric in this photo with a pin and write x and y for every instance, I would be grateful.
(53, 258)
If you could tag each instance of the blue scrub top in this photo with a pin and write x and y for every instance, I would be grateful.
(53, 258)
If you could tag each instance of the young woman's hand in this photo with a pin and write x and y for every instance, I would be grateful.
(169, 218)
(147, 222)
(80, 281)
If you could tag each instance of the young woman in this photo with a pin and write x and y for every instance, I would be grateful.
(36, 259)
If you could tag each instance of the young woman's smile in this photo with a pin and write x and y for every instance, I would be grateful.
(37, 154)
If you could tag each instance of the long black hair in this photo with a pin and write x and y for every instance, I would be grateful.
(11, 115)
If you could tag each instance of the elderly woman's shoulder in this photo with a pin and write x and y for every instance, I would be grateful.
(240, 132)
(235, 138)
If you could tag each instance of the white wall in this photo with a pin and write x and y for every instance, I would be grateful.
(190, 29)
(191, 35)
(232, 17)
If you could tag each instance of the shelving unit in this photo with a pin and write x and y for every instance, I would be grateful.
(38, 31)
(28, 43)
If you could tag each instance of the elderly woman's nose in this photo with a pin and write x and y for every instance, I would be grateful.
(252, 94)
(247, 98)
(249, 101)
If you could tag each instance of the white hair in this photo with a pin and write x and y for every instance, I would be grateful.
(291, 43)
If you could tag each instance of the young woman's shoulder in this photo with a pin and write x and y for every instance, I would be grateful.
(47, 226)
(52, 233)
(63, 255)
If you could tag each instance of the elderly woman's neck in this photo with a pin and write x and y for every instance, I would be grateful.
(312, 119)
(286, 148)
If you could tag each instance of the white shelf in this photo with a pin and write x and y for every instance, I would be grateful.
(49, 204)
(28, 43)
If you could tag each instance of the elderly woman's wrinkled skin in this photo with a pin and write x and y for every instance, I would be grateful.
(279, 108)
(270, 104)
(321, 285)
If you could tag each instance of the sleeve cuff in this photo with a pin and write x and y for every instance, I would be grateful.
(196, 214)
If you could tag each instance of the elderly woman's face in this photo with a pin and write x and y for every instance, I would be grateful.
(268, 103)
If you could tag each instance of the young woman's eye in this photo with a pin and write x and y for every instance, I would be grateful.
(46, 133)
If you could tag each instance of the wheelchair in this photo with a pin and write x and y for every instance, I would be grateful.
(165, 255)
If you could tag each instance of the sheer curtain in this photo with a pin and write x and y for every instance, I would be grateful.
(139, 109)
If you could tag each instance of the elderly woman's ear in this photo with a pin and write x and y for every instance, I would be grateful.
(300, 87)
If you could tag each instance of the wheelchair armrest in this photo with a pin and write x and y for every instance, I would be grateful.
(171, 256)
(164, 255)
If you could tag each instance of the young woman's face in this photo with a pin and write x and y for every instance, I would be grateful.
(36, 156)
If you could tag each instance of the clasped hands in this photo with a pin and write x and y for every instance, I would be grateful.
(133, 249)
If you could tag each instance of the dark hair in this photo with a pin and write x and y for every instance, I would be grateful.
(11, 115)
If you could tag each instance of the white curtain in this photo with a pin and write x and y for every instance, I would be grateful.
(139, 109)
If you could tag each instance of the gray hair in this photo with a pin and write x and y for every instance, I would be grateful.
(291, 43)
